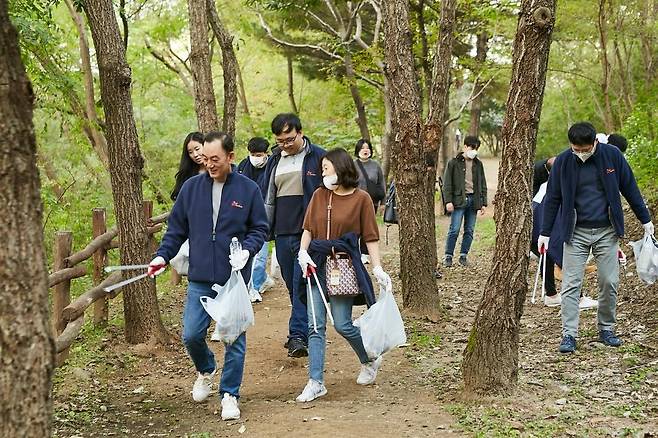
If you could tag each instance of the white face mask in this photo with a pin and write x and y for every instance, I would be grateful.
(330, 182)
(258, 162)
(471, 154)
(584, 156)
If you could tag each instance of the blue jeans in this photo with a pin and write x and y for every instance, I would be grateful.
(604, 244)
(287, 248)
(195, 326)
(469, 215)
(259, 269)
(341, 309)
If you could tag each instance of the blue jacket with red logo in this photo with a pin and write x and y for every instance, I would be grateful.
(616, 176)
(311, 179)
(241, 215)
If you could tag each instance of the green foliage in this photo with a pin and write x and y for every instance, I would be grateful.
(642, 149)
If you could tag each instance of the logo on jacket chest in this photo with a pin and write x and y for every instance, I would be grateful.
(309, 173)
(236, 204)
(610, 170)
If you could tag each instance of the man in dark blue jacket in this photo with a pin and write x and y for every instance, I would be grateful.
(292, 174)
(212, 208)
(253, 167)
(584, 186)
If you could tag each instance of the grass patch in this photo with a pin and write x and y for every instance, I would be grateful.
(485, 234)
(423, 340)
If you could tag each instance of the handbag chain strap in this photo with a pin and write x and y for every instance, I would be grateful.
(331, 197)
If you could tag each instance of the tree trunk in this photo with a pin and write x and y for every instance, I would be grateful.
(416, 268)
(491, 355)
(26, 343)
(291, 85)
(605, 66)
(437, 110)
(361, 118)
(388, 132)
(204, 91)
(476, 103)
(424, 59)
(140, 303)
(243, 100)
(229, 67)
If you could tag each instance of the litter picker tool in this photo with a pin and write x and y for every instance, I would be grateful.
(125, 282)
(124, 267)
(312, 270)
(542, 256)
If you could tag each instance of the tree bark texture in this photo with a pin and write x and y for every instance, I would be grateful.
(140, 304)
(204, 91)
(476, 103)
(388, 132)
(491, 355)
(438, 109)
(416, 268)
(229, 67)
(291, 84)
(26, 344)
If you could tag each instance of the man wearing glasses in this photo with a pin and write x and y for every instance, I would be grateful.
(292, 174)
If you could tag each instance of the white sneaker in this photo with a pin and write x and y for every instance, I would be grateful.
(215, 335)
(368, 372)
(553, 301)
(312, 390)
(254, 296)
(267, 284)
(587, 303)
(230, 410)
(202, 387)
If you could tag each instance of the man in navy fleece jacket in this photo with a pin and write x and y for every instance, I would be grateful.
(584, 186)
(211, 208)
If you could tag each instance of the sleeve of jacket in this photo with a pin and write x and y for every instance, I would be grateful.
(483, 186)
(448, 182)
(630, 191)
(177, 227)
(552, 199)
(257, 225)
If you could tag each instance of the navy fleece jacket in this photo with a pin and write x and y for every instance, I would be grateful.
(615, 175)
(241, 214)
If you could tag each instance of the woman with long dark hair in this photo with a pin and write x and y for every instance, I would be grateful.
(338, 216)
(191, 161)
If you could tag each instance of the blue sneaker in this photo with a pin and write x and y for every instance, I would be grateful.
(568, 344)
(607, 337)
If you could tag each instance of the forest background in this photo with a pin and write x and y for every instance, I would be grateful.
(602, 69)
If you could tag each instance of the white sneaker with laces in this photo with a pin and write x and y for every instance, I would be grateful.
(267, 284)
(202, 387)
(230, 410)
(312, 390)
(587, 303)
(254, 296)
(368, 372)
(553, 301)
(215, 335)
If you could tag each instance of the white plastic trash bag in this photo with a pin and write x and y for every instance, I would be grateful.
(382, 328)
(181, 261)
(275, 269)
(231, 309)
(645, 251)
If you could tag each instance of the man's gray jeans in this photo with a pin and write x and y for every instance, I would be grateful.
(604, 244)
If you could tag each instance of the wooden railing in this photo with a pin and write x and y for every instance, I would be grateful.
(68, 317)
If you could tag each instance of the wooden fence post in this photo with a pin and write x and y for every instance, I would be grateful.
(99, 224)
(61, 291)
(148, 213)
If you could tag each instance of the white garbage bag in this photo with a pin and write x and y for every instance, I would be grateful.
(181, 261)
(275, 269)
(231, 308)
(645, 251)
(382, 328)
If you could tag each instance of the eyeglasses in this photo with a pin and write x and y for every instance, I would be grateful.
(287, 141)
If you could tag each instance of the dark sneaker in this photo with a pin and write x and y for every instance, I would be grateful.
(297, 348)
(447, 262)
(463, 261)
(568, 344)
(608, 338)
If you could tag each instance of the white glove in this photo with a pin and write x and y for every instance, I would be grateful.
(648, 228)
(542, 242)
(621, 257)
(304, 260)
(156, 267)
(239, 260)
(383, 278)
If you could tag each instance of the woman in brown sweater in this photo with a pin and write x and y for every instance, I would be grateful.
(351, 211)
